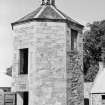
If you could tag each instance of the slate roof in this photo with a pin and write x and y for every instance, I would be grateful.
(99, 85)
(30, 15)
(47, 12)
(5, 80)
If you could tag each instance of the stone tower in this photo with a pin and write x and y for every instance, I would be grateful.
(47, 66)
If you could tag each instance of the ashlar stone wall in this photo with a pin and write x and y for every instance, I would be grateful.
(96, 99)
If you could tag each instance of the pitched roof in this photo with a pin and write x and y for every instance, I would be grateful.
(46, 12)
(99, 85)
(30, 15)
(5, 80)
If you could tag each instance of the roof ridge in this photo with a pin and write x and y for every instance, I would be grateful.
(69, 18)
(41, 10)
(58, 11)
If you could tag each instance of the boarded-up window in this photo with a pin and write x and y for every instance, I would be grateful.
(9, 98)
(86, 101)
(24, 61)
(103, 99)
(74, 34)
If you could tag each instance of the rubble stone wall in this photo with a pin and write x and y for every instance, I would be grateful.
(55, 73)
(74, 67)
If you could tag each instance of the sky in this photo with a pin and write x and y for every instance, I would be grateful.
(83, 11)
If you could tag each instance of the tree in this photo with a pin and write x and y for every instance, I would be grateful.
(94, 49)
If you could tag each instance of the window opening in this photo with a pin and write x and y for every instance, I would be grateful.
(74, 34)
(24, 61)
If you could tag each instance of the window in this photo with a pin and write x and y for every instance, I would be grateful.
(103, 99)
(74, 34)
(86, 101)
(23, 61)
(10, 99)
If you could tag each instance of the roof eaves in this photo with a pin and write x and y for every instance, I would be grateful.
(69, 18)
(38, 19)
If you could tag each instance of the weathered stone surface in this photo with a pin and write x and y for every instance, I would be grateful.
(54, 72)
(74, 80)
(20, 83)
(1, 97)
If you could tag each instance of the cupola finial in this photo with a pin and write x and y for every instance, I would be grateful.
(48, 2)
